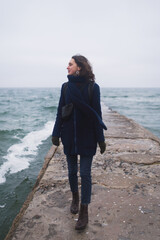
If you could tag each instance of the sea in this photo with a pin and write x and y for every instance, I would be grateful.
(27, 116)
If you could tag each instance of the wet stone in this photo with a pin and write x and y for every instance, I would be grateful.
(59, 199)
(123, 238)
(30, 224)
(52, 232)
(146, 210)
(36, 217)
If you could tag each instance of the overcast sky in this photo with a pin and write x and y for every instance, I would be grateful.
(121, 39)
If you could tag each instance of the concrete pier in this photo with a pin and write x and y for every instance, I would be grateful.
(125, 194)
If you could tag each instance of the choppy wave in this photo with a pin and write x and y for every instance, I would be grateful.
(4, 113)
(20, 155)
(50, 108)
(2, 206)
(125, 96)
(2, 121)
(5, 133)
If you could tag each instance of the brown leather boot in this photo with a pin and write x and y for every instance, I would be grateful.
(75, 203)
(83, 217)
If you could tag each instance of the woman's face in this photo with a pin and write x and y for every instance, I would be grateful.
(72, 67)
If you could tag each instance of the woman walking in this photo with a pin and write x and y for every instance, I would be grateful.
(79, 125)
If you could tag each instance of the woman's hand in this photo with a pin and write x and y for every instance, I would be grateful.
(55, 141)
(102, 146)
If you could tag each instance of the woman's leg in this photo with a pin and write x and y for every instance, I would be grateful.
(72, 172)
(73, 180)
(86, 179)
(86, 186)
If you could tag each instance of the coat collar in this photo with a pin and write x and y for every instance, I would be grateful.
(76, 79)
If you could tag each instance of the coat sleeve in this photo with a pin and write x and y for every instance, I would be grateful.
(96, 104)
(58, 123)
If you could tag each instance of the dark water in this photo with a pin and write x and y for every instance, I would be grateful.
(26, 120)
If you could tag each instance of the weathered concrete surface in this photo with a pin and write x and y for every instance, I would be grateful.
(125, 197)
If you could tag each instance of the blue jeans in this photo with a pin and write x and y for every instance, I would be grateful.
(85, 174)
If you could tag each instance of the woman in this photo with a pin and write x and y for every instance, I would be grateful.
(80, 131)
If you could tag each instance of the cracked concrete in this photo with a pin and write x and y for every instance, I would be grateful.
(125, 194)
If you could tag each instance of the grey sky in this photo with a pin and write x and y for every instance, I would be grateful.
(120, 38)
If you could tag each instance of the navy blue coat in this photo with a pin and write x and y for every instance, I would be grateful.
(79, 134)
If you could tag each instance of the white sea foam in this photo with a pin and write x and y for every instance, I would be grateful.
(2, 206)
(20, 155)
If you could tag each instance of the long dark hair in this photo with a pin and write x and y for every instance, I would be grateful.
(86, 68)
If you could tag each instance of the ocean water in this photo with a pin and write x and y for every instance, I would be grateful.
(26, 120)
(140, 104)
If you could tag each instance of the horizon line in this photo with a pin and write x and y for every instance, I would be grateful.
(60, 87)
